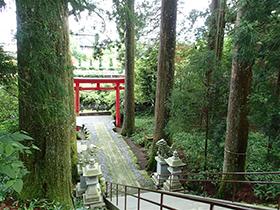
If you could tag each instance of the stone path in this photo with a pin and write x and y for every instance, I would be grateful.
(116, 159)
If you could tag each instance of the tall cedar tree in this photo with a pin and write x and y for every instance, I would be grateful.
(216, 26)
(46, 97)
(165, 71)
(129, 105)
(237, 121)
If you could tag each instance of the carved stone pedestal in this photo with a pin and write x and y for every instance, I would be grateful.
(162, 173)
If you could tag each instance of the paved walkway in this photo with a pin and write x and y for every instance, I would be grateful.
(116, 159)
(173, 202)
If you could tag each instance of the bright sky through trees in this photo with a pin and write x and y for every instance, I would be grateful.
(8, 20)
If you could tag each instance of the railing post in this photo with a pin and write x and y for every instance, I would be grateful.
(204, 183)
(111, 190)
(125, 197)
(161, 200)
(138, 201)
(211, 206)
(77, 98)
(170, 183)
(117, 194)
(234, 191)
(158, 187)
(118, 115)
(106, 189)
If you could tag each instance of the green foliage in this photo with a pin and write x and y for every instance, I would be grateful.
(188, 100)
(258, 160)
(12, 169)
(8, 108)
(257, 153)
(81, 5)
(41, 204)
(143, 127)
(186, 103)
(8, 92)
(192, 144)
(99, 99)
(145, 82)
(8, 68)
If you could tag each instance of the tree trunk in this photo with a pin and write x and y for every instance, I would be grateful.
(46, 97)
(237, 122)
(215, 45)
(165, 72)
(219, 43)
(129, 105)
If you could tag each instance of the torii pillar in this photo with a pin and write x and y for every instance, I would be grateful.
(98, 81)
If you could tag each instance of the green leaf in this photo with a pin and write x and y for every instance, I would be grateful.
(17, 186)
(9, 149)
(19, 136)
(35, 147)
(9, 171)
(19, 146)
(1, 148)
(9, 183)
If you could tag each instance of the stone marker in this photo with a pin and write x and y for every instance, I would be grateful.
(175, 165)
(162, 173)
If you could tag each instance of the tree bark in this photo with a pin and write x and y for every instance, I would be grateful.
(129, 104)
(237, 121)
(46, 97)
(165, 73)
(220, 30)
(215, 45)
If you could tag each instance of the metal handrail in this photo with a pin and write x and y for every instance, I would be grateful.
(210, 201)
(229, 173)
(191, 179)
(227, 180)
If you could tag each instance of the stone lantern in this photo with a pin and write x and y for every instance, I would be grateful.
(175, 165)
(92, 196)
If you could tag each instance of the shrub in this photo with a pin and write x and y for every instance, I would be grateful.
(258, 160)
(12, 169)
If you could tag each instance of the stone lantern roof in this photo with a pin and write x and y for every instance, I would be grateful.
(91, 170)
(175, 161)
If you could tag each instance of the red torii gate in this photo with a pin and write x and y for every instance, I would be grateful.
(117, 87)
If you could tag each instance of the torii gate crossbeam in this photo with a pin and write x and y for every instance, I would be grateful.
(117, 82)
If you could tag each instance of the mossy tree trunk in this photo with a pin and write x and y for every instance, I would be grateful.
(46, 97)
(129, 104)
(216, 24)
(238, 109)
(165, 72)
